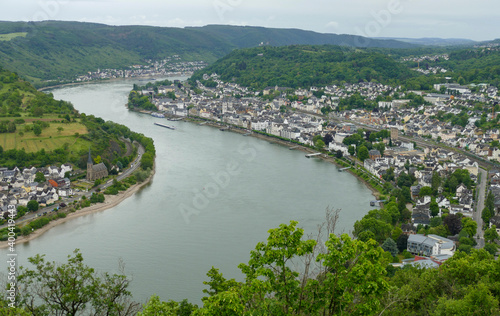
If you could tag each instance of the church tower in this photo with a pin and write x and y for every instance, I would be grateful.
(90, 168)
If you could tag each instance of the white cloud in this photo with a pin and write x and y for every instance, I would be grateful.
(332, 25)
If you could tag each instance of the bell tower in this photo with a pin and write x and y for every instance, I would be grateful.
(90, 170)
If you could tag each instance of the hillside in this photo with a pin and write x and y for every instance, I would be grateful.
(55, 50)
(36, 130)
(251, 36)
(305, 66)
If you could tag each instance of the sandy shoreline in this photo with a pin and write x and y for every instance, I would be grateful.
(110, 202)
(113, 200)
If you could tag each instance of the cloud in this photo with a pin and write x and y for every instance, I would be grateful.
(332, 25)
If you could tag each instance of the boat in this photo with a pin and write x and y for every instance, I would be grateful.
(164, 125)
(158, 115)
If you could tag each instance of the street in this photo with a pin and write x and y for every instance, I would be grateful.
(133, 166)
(480, 206)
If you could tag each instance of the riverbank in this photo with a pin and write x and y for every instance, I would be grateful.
(110, 202)
(289, 144)
(69, 84)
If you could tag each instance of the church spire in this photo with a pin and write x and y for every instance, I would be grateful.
(89, 161)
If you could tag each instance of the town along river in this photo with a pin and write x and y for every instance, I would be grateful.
(239, 187)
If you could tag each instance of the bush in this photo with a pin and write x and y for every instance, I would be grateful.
(39, 223)
(61, 215)
(26, 230)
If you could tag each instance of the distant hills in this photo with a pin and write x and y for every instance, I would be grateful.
(433, 41)
(55, 50)
(305, 66)
(251, 36)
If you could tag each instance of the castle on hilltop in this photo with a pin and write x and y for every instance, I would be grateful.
(95, 172)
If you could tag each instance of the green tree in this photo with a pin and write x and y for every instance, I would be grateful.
(351, 149)
(269, 265)
(72, 288)
(491, 248)
(362, 285)
(453, 223)
(319, 144)
(402, 242)
(486, 215)
(380, 147)
(33, 206)
(37, 130)
(218, 283)
(425, 191)
(39, 177)
(363, 153)
(435, 182)
(491, 234)
(390, 246)
(469, 225)
(434, 208)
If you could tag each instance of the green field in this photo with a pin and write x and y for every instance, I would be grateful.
(50, 138)
(8, 37)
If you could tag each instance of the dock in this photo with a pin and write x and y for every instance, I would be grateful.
(164, 125)
(312, 155)
(342, 169)
(203, 123)
(249, 133)
(294, 147)
(372, 203)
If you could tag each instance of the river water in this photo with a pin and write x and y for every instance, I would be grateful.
(213, 198)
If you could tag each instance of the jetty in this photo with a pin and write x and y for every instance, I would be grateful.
(249, 133)
(342, 169)
(203, 123)
(165, 125)
(294, 147)
(312, 155)
(372, 203)
(175, 119)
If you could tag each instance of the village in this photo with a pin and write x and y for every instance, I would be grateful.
(19, 187)
(170, 66)
(418, 137)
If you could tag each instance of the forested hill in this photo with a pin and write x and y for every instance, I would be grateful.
(37, 130)
(305, 66)
(251, 36)
(61, 50)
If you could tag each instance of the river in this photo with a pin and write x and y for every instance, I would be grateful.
(214, 196)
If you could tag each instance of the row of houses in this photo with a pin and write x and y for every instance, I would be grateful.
(18, 187)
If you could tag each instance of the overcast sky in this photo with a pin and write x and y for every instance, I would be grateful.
(477, 20)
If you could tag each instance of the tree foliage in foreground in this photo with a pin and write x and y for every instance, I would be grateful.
(285, 275)
(340, 276)
(72, 288)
